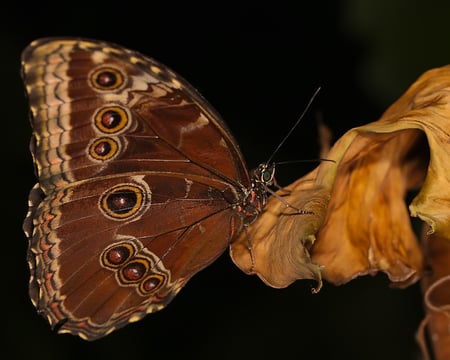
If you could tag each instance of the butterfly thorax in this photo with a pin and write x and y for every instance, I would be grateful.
(255, 198)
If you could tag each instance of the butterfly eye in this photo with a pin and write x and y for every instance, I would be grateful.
(122, 202)
(266, 176)
(111, 119)
(107, 78)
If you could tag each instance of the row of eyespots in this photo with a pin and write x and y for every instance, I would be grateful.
(122, 201)
(111, 119)
(132, 269)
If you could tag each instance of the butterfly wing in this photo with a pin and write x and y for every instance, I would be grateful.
(138, 182)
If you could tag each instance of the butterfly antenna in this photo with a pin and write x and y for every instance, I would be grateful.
(295, 125)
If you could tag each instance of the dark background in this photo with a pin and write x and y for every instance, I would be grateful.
(258, 65)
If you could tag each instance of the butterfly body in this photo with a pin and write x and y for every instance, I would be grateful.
(141, 184)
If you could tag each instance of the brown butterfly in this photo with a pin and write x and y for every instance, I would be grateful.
(141, 184)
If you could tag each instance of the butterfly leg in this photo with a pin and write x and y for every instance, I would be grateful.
(250, 250)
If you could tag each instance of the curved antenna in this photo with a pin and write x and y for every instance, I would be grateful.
(295, 125)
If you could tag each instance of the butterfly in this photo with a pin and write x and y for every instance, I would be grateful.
(140, 184)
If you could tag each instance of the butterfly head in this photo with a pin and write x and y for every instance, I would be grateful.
(264, 175)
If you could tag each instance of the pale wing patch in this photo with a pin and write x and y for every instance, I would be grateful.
(201, 122)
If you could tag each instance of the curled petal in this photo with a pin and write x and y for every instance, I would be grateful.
(275, 246)
(360, 222)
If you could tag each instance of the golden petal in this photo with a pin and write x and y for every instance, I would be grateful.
(360, 222)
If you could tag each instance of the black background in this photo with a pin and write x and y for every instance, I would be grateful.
(258, 65)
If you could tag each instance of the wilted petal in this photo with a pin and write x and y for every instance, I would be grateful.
(274, 247)
(360, 219)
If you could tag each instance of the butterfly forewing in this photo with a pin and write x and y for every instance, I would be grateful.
(139, 184)
(154, 110)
